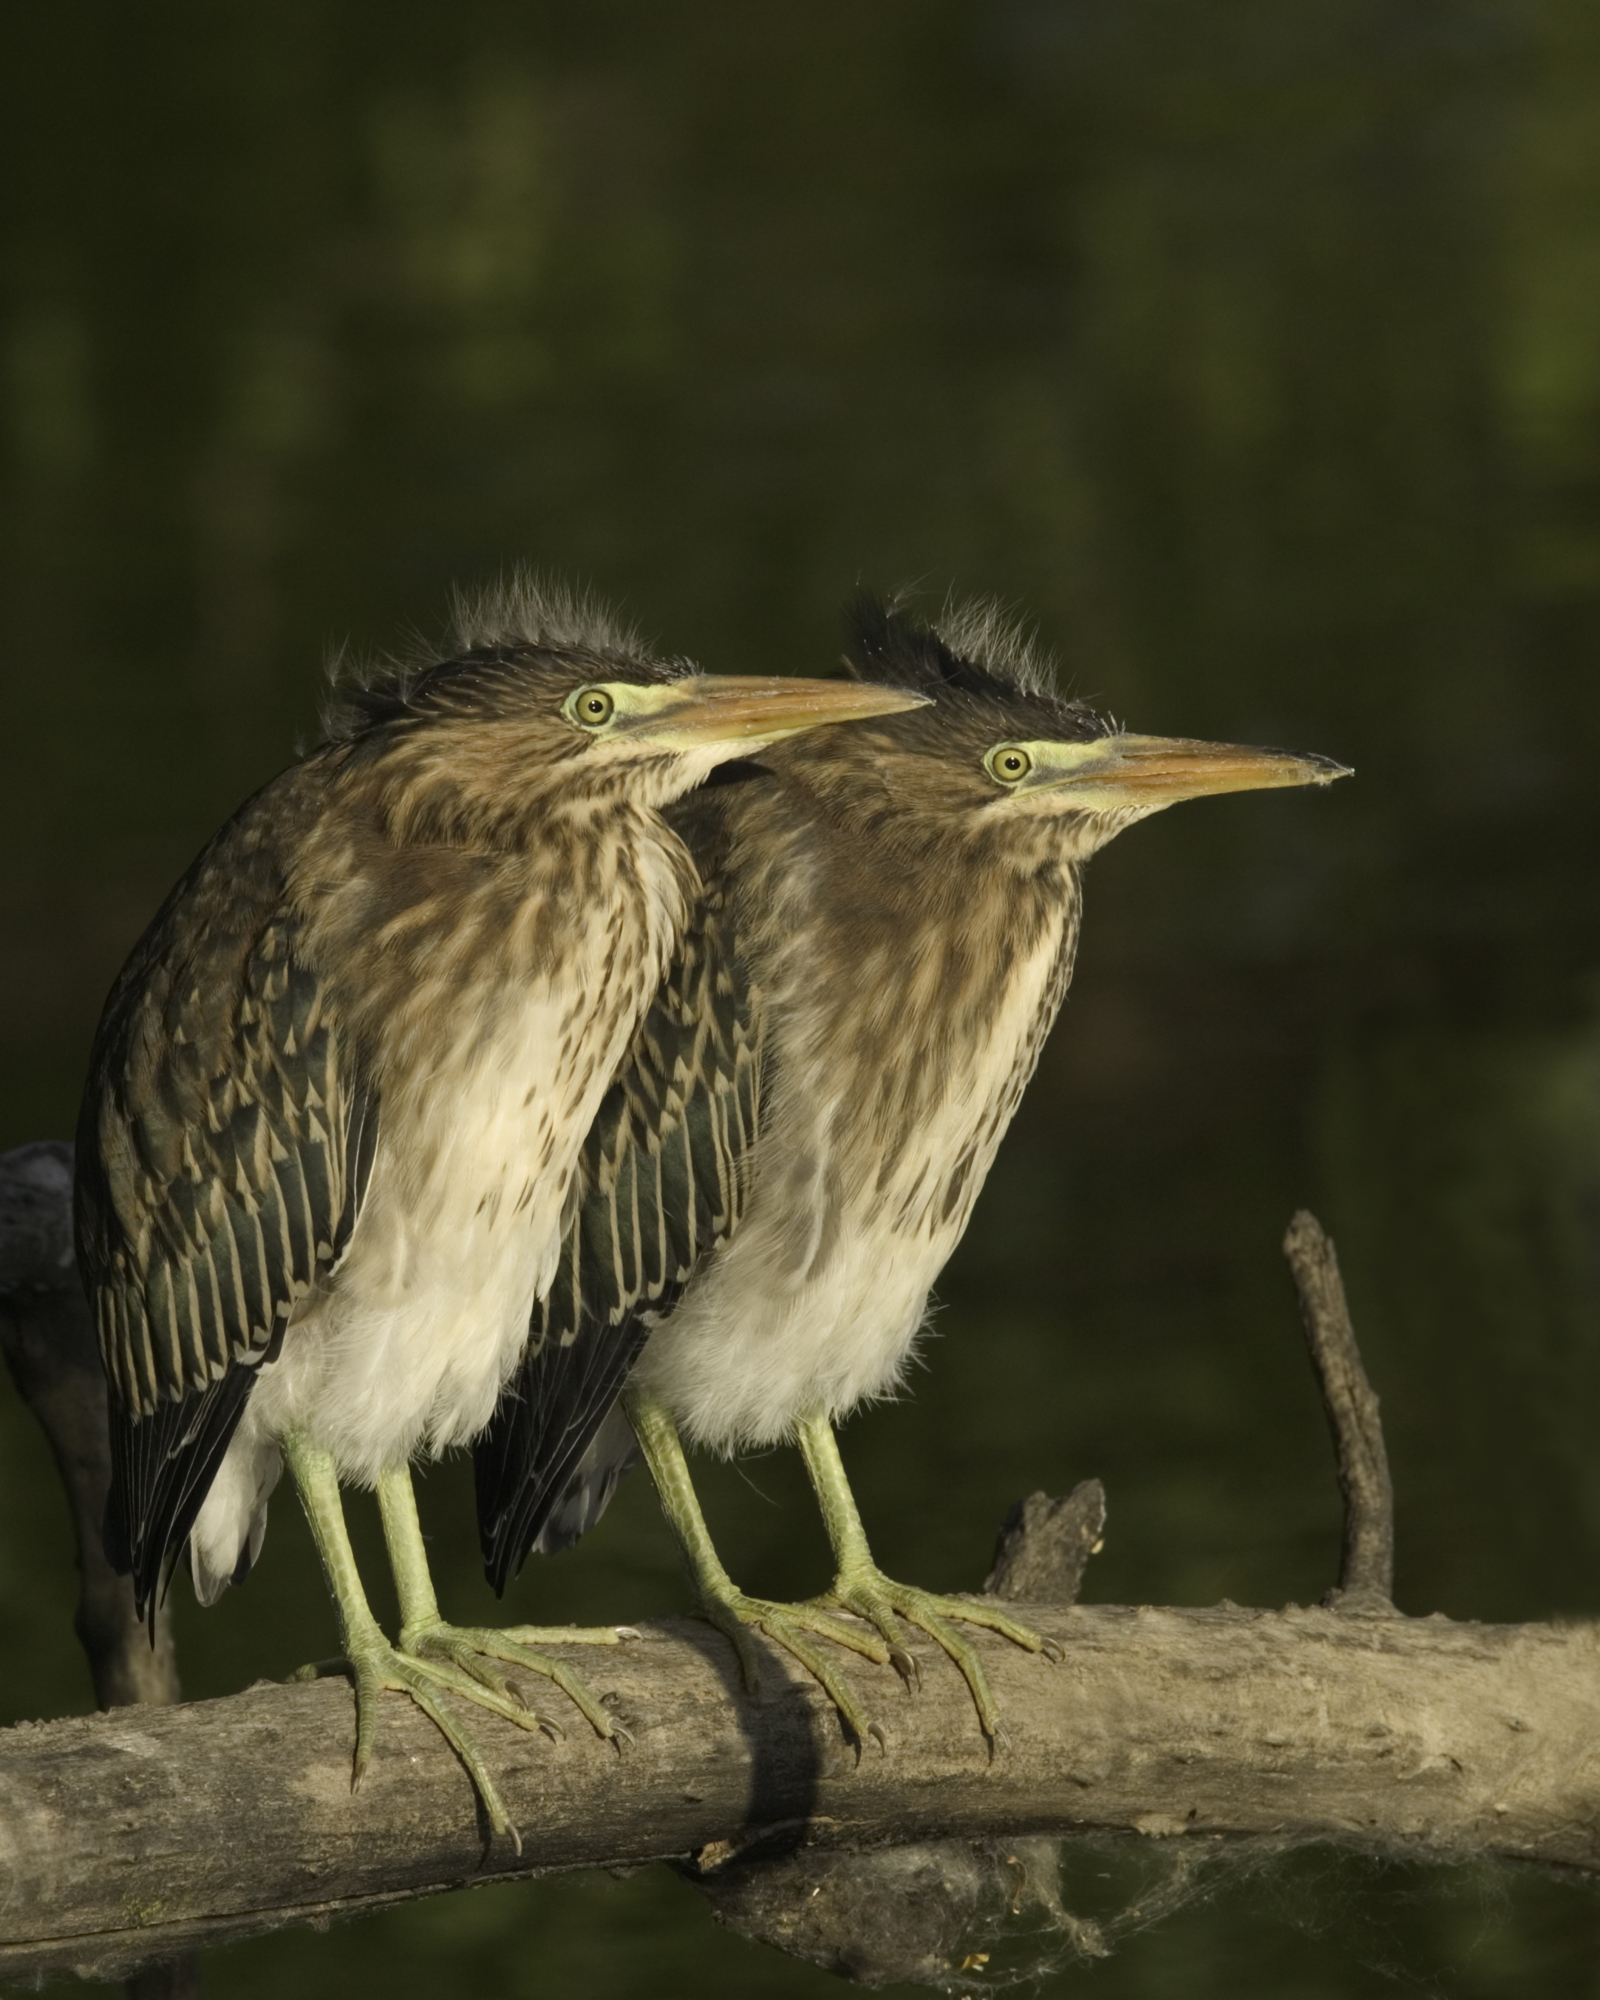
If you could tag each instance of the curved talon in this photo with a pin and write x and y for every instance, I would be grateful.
(908, 1667)
(792, 1627)
(374, 1666)
(1053, 1651)
(467, 1652)
(864, 1589)
(875, 1731)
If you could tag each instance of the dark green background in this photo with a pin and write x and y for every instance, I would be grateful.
(1252, 347)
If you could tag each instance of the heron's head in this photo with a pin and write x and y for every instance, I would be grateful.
(563, 712)
(1000, 756)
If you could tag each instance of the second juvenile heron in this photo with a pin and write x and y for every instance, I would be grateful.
(812, 1106)
(339, 1091)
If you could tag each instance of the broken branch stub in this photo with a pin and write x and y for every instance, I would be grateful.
(1366, 1578)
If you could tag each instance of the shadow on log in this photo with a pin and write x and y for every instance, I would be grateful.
(146, 1832)
(905, 1914)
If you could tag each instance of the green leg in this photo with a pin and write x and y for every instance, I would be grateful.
(860, 1586)
(424, 1635)
(721, 1601)
(369, 1659)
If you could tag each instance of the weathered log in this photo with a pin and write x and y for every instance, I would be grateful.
(139, 1833)
(902, 1914)
(145, 1833)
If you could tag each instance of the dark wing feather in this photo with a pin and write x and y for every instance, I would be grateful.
(661, 1183)
(223, 1148)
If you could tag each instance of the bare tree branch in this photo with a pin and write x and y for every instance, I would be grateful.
(1366, 1581)
(145, 1833)
(1045, 1545)
(49, 1345)
(48, 1340)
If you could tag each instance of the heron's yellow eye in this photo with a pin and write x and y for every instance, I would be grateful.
(1008, 764)
(591, 708)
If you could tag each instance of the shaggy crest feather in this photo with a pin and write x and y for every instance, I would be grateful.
(521, 615)
(975, 647)
(525, 609)
(982, 630)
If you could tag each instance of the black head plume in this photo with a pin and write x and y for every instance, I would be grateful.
(984, 655)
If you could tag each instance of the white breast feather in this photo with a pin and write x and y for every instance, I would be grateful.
(407, 1349)
(783, 1323)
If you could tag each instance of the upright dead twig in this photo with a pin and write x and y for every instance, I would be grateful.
(1366, 1578)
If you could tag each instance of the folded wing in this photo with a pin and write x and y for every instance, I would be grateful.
(224, 1147)
(662, 1181)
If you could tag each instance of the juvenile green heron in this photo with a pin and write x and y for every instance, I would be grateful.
(339, 1091)
(887, 935)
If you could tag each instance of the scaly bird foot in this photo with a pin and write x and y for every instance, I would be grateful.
(469, 1649)
(373, 1665)
(871, 1595)
(789, 1626)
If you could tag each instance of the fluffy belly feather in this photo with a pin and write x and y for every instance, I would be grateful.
(406, 1350)
(406, 1347)
(816, 1302)
(741, 1359)
(409, 1348)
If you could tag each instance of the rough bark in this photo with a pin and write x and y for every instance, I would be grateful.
(1366, 1576)
(141, 1834)
(904, 1913)
(144, 1831)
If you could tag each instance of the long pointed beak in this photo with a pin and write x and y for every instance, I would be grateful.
(1149, 772)
(733, 708)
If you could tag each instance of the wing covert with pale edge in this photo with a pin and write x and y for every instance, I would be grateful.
(223, 1150)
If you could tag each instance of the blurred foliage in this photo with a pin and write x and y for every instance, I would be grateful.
(1256, 351)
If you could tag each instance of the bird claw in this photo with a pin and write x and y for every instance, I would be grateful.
(619, 1733)
(908, 1667)
(471, 1652)
(1054, 1652)
(373, 1665)
(876, 1731)
(863, 1588)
